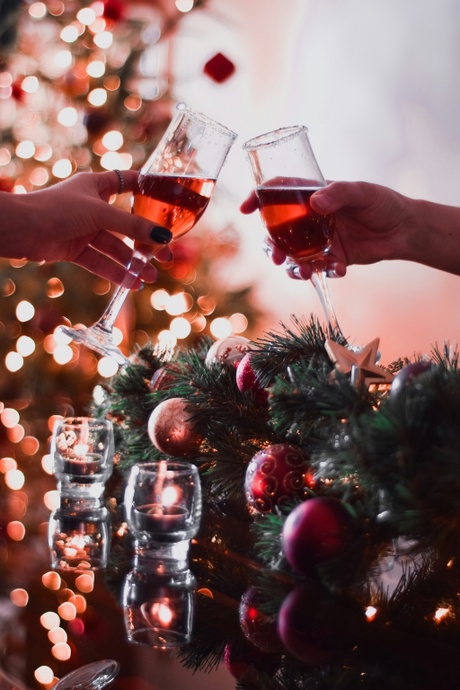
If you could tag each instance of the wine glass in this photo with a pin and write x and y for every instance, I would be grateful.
(175, 186)
(286, 174)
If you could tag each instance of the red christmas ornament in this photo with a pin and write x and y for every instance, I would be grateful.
(114, 10)
(163, 378)
(315, 531)
(243, 660)
(259, 628)
(246, 379)
(276, 475)
(408, 374)
(171, 430)
(219, 68)
(227, 350)
(316, 627)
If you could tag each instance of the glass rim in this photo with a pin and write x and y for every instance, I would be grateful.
(81, 420)
(171, 466)
(274, 136)
(197, 115)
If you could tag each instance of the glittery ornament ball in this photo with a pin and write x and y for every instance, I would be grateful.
(227, 350)
(171, 429)
(276, 475)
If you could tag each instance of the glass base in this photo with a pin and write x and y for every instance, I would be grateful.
(97, 339)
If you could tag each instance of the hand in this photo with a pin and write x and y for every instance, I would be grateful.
(73, 221)
(370, 225)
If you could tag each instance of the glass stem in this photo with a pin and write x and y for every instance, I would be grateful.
(319, 280)
(110, 315)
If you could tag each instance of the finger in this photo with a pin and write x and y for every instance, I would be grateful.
(138, 228)
(103, 266)
(250, 204)
(274, 253)
(336, 195)
(111, 183)
(336, 269)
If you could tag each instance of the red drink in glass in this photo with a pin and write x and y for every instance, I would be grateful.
(294, 227)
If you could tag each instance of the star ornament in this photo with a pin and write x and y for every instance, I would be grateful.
(361, 364)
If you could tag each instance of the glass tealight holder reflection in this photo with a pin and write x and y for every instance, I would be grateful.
(79, 538)
(82, 449)
(163, 507)
(158, 608)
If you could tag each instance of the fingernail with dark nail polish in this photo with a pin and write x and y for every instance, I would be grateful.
(160, 234)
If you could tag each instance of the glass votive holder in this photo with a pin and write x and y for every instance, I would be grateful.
(163, 503)
(79, 539)
(82, 449)
(158, 609)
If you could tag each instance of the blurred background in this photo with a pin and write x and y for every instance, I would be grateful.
(92, 86)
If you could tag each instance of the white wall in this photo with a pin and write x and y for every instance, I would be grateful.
(377, 83)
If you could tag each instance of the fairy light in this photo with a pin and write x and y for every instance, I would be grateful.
(16, 433)
(159, 299)
(44, 675)
(14, 361)
(370, 613)
(25, 345)
(25, 311)
(85, 582)
(49, 620)
(7, 464)
(95, 68)
(30, 445)
(15, 479)
(19, 597)
(166, 340)
(9, 417)
(30, 84)
(441, 613)
(239, 322)
(220, 327)
(180, 327)
(61, 651)
(178, 303)
(68, 116)
(113, 140)
(56, 635)
(25, 149)
(43, 153)
(107, 367)
(62, 168)
(16, 530)
(184, 5)
(37, 10)
(39, 177)
(114, 160)
(97, 97)
(86, 16)
(67, 611)
(103, 40)
(70, 33)
(51, 580)
(47, 464)
(63, 354)
(52, 500)
(5, 156)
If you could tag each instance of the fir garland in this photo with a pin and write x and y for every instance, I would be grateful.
(391, 458)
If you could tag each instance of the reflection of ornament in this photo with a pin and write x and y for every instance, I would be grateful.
(315, 627)
(219, 68)
(246, 379)
(276, 475)
(315, 531)
(361, 364)
(408, 374)
(171, 429)
(257, 626)
(228, 350)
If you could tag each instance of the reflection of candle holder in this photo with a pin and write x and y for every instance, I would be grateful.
(78, 537)
(82, 449)
(163, 507)
(158, 608)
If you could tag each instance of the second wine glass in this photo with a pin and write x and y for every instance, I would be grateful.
(175, 186)
(286, 174)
